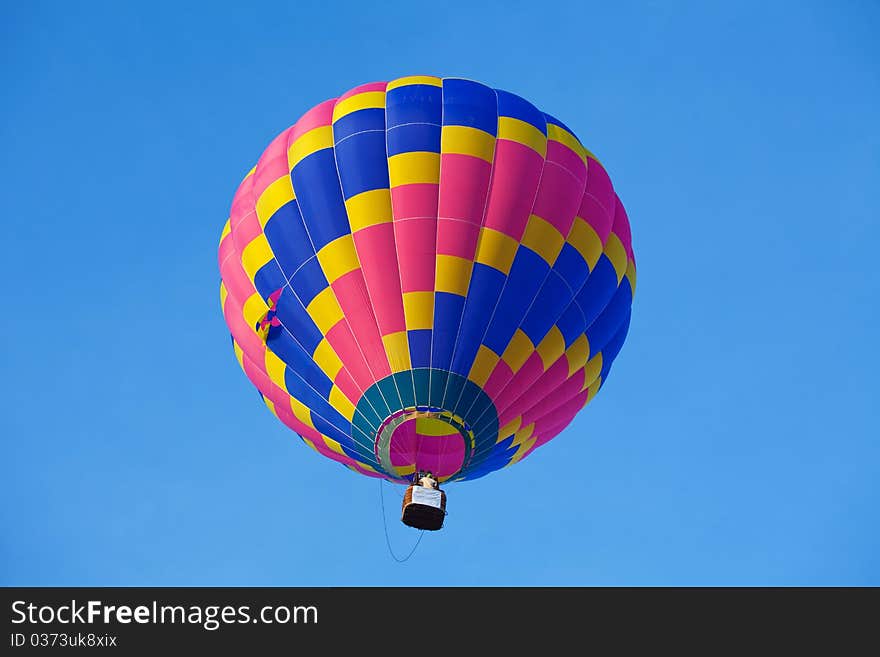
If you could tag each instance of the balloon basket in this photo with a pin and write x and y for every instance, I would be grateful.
(423, 508)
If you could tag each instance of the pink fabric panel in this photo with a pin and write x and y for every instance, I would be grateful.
(417, 200)
(560, 154)
(319, 115)
(545, 386)
(272, 164)
(441, 455)
(351, 291)
(242, 201)
(416, 242)
(530, 372)
(244, 335)
(345, 346)
(498, 380)
(457, 238)
(562, 415)
(403, 444)
(464, 185)
(599, 187)
(370, 86)
(621, 228)
(559, 197)
(515, 180)
(562, 394)
(348, 385)
(597, 215)
(377, 253)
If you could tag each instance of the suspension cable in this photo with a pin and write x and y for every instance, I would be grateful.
(385, 526)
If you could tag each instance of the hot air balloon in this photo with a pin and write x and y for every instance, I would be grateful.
(426, 275)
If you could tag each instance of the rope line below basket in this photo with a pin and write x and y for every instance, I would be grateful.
(385, 527)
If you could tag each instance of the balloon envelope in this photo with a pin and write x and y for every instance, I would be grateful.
(427, 274)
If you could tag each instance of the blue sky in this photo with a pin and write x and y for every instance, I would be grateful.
(735, 443)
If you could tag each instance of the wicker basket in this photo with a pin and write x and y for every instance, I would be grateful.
(423, 516)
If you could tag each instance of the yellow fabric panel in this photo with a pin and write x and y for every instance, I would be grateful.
(483, 365)
(518, 351)
(275, 368)
(522, 133)
(552, 347)
(254, 308)
(256, 254)
(302, 412)
(223, 294)
(631, 274)
(542, 237)
(453, 274)
(333, 445)
(617, 255)
(273, 197)
(365, 100)
(510, 428)
(583, 238)
(430, 426)
(414, 79)
(496, 250)
(397, 351)
(310, 142)
(341, 403)
(404, 470)
(523, 448)
(594, 388)
(563, 136)
(369, 208)
(523, 434)
(418, 310)
(465, 140)
(324, 310)
(592, 370)
(577, 354)
(309, 443)
(326, 359)
(338, 258)
(414, 167)
(271, 405)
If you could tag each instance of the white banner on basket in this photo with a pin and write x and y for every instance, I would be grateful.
(426, 496)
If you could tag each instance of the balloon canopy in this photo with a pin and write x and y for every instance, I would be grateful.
(427, 274)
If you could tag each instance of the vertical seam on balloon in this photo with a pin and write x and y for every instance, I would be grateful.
(344, 318)
(507, 277)
(361, 270)
(482, 223)
(434, 303)
(396, 253)
(396, 256)
(436, 242)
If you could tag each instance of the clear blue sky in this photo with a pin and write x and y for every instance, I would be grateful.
(736, 441)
